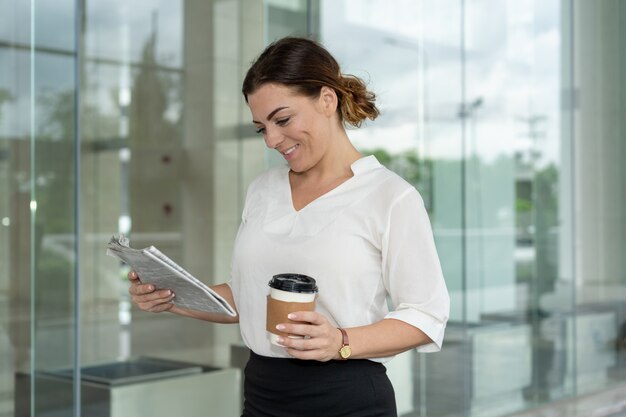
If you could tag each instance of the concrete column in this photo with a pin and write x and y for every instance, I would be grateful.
(600, 148)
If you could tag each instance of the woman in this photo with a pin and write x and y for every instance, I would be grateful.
(357, 228)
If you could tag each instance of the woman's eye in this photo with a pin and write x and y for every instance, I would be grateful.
(261, 131)
(282, 122)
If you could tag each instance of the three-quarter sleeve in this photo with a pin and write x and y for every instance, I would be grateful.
(412, 272)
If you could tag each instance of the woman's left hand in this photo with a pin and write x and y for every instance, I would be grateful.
(321, 341)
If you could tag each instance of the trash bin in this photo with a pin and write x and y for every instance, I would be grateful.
(135, 388)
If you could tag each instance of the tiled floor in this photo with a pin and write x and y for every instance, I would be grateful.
(608, 403)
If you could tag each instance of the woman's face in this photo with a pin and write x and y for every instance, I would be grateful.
(297, 126)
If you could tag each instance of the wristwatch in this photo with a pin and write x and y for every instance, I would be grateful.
(345, 350)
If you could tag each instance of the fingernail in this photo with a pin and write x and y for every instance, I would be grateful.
(150, 288)
(291, 316)
(280, 340)
(280, 327)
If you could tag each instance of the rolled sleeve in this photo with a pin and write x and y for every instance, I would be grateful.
(412, 272)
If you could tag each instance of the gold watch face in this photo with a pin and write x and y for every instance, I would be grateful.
(345, 352)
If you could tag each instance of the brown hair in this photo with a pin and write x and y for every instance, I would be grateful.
(306, 66)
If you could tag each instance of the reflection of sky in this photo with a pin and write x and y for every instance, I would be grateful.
(14, 26)
(54, 75)
(116, 30)
(411, 54)
(54, 23)
(119, 29)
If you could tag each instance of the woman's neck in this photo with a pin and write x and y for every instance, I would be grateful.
(336, 162)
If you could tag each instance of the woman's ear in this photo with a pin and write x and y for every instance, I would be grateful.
(328, 100)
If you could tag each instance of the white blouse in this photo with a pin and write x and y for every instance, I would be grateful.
(366, 242)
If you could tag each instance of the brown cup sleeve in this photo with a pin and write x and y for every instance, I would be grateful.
(277, 312)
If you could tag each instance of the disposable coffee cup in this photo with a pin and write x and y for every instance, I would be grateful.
(288, 293)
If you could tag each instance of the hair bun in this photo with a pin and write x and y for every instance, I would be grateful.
(307, 66)
(356, 102)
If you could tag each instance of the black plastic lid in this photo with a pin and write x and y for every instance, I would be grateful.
(293, 283)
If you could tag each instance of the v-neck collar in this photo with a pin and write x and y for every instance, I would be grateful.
(358, 167)
(281, 219)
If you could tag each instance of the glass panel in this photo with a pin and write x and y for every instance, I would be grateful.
(117, 30)
(131, 160)
(37, 143)
(410, 57)
(472, 117)
(288, 17)
(517, 294)
(15, 273)
(168, 151)
(54, 227)
(133, 163)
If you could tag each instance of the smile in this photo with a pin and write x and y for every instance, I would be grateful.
(290, 150)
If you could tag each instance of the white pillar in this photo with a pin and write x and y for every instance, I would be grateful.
(600, 148)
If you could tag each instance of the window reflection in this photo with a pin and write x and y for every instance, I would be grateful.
(471, 117)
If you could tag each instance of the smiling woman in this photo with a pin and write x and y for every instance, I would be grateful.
(358, 229)
(300, 102)
(361, 231)
(306, 131)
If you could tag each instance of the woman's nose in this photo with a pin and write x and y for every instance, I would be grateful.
(273, 138)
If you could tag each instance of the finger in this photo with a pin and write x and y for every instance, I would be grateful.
(305, 354)
(300, 329)
(307, 316)
(309, 349)
(159, 308)
(141, 289)
(298, 343)
(161, 295)
(133, 277)
(154, 304)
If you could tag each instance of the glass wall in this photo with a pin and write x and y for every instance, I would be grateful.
(164, 154)
(506, 116)
(494, 111)
(38, 210)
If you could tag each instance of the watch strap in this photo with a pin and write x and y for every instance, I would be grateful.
(344, 335)
(346, 351)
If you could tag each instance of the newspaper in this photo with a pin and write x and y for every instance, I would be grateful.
(155, 268)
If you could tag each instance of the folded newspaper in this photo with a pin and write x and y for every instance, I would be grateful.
(153, 267)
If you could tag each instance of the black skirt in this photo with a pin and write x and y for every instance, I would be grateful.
(275, 387)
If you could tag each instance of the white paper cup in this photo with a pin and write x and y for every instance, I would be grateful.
(292, 289)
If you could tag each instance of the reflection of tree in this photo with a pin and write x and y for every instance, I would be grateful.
(536, 206)
(4, 97)
(546, 206)
(54, 180)
(57, 110)
(148, 123)
(56, 113)
(409, 166)
(547, 363)
(406, 164)
(54, 165)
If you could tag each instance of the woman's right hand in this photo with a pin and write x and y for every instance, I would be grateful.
(147, 298)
